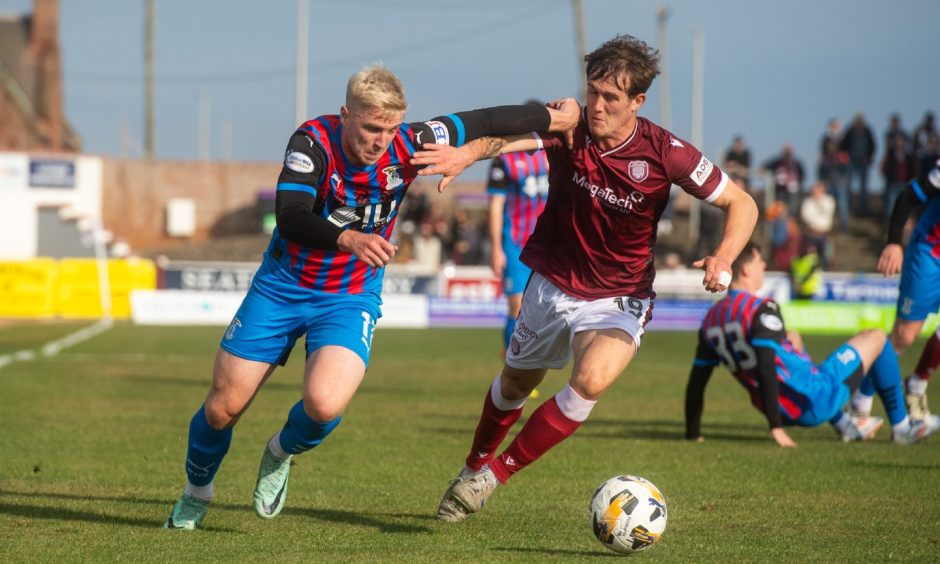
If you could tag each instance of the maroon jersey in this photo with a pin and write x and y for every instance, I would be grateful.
(595, 237)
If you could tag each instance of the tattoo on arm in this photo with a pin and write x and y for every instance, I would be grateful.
(491, 146)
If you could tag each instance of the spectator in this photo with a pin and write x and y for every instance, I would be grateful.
(788, 177)
(818, 214)
(897, 168)
(931, 152)
(925, 137)
(784, 236)
(834, 170)
(859, 143)
(895, 131)
(427, 249)
(466, 239)
(738, 163)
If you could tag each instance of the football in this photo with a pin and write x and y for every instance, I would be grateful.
(628, 514)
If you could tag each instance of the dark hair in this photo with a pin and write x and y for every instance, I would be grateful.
(627, 61)
(535, 102)
(748, 253)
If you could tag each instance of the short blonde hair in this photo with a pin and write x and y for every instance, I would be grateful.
(376, 87)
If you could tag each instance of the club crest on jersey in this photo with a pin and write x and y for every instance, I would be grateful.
(638, 170)
(392, 179)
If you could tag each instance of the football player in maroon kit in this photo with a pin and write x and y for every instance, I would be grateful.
(590, 294)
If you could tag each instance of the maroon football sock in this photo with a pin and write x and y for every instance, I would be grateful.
(491, 430)
(547, 427)
(929, 358)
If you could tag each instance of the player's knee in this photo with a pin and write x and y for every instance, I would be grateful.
(902, 337)
(590, 384)
(219, 413)
(323, 410)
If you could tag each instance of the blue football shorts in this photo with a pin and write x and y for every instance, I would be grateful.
(839, 375)
(516, 275)
(920, 281)
(276, 312)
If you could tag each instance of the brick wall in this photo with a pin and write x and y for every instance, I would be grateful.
(135, 195)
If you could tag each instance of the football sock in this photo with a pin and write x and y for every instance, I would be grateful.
(274, 445)
(929, 361)
(901, 426)
(916, 385)
(886, 376)
(548, 426)
(199, 492)
(499, 414)
(207, 448)
(841, 422)
(301, 433)
(863, 398)
(508, 328)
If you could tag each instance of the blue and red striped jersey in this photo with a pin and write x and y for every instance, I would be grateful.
(351, 197)
(732, 331)
(522, 178)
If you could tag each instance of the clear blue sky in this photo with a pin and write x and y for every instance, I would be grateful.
(775, 71)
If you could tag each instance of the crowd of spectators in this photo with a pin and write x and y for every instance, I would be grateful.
(803, 215)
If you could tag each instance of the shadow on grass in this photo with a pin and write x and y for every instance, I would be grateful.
(548, 552)
(205, 384)
(652, 429)
(384, 522)
(389, 523)
(63, 514)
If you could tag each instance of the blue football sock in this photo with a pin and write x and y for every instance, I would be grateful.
(207, 448)
(507, 330)
(867, 387)
(886, 377)
(301, 433)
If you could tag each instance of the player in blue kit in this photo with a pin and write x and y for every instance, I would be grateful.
(746, 333)
(920, 285)
(338, 194)
(518, 189)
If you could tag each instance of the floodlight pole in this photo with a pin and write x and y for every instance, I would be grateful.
(698, 113)
(300, 96)
(579, 31)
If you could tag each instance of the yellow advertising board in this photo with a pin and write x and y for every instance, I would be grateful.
(27, 288)
(79, 291)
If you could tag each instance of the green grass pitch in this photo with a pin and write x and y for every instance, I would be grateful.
(92, 443)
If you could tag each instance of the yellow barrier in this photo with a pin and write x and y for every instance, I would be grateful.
(79, 293)
(27, 288)
(69, 288)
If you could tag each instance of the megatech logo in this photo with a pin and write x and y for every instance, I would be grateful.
(608, 197)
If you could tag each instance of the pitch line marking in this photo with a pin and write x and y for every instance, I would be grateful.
(53, 348)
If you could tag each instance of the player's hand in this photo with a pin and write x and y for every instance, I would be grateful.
(570, 113)
(498, 261)
(445, 160)
(889, 263)
(370, 248)
(782, 438)
(714, 267)
(796, 339)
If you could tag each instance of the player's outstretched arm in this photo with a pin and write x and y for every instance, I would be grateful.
(742, 215)
(695, 400)
(450, 161)
(769, 391)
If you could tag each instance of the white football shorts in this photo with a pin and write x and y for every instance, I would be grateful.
(549, 319)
